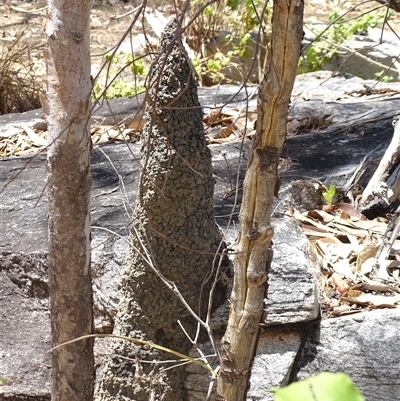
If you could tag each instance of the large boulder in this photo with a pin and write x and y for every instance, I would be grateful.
(295, 343)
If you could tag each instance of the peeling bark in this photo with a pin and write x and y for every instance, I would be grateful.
(67, 107)
(383, 188)
(239, 343)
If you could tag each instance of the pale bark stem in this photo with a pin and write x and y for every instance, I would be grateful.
(67, 106)
(239, 343)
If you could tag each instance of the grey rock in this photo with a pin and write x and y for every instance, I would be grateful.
(366, 346)
(24, 327)
(293, 287)
(108, 258)
(359, 127)
(273, 361)
(198, 380)
(373, 54)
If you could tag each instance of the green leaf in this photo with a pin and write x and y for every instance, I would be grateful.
(331, 190)
(329, 194)
(137, 67)
(323, 387)
(233, 4)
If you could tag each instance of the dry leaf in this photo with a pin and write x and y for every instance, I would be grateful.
(338, 283)
(246, 122)
(345, 241)
(371, 225)
(330, 240)
(225, 133)
(365, 254)
(343, 267)
(355, 232)
(367, 266)
(313, 231)
(321, 215)
(137, 124)
(292, 127)
(374, 300)
(212, 117)
(350, 210)
(371, 285)
(302, 218)
(9, 131)
(36, 139)
(339, 310)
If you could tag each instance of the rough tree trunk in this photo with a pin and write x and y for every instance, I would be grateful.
(173, 228)
(240, 341)
(67, 108)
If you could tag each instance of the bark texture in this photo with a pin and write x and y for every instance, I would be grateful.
(383, 188)
(67, 108)
(173, 229)
(239, 343)
(393, 4)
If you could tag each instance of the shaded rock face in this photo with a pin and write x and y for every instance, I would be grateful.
(173, 230)
(24, 327)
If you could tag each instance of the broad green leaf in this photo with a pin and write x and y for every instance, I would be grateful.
(331, 190)
(323, 387)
